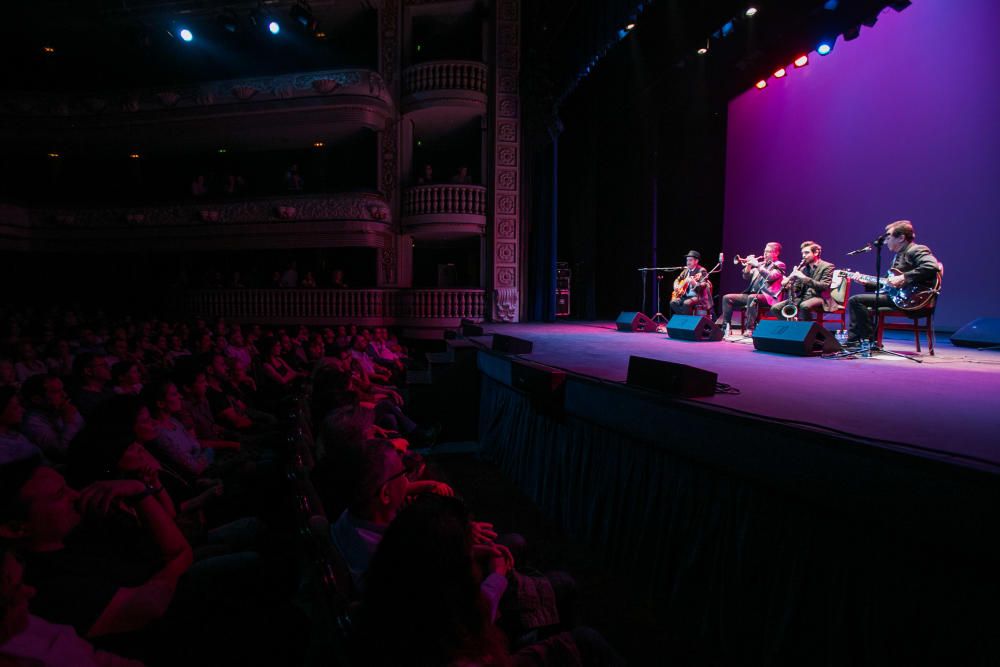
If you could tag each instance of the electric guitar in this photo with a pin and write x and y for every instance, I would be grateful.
(907, 297)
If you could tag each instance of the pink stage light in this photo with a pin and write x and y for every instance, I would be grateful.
(802, 61)
(780, 73)
(762, 84)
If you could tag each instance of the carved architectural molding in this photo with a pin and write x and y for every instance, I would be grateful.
(389, 17)
(361, 207)
(259, 89)
(506, 118)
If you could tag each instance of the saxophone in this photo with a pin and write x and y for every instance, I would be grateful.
(790, 311)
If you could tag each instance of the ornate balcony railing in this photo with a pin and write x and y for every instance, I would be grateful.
(445, 75)
(405, 307)
(445, 200)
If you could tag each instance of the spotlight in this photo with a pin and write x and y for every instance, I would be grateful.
(629, 26)
(831, 5)
(186, 35)
(824, 48)
(761, 85)
(54, 156)
(134, 156)
(222, 150)
(318, 144)
(751, 11)
(727, 29)
(703, 50)
(273, 27)
(780, 73)
(802, 61)
(48, 50)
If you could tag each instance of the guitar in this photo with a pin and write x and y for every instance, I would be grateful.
(907, 297)
(684, 281)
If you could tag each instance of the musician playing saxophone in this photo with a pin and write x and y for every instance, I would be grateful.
(692, 288)
(808, 286)
(916, 266)
(764, 276)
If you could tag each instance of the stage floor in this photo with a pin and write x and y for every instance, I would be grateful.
(948, 407)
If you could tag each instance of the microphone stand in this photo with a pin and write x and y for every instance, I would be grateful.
(874, 347)
(658, 317)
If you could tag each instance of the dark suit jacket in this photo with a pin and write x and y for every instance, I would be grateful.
(917, 264)
(817, 282)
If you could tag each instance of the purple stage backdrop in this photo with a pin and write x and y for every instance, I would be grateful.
(903, 122)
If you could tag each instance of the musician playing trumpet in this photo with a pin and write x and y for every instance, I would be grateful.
(763, 276)
(807, 287)
(914, 264)
(692, 288)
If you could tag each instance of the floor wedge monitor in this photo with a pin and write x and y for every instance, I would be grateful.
(693, 327)
(630, 320)
(803, 339)
(511, 345)
(670, 378)
(983, 332)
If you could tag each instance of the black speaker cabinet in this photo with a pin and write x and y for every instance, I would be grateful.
(803, 339)
(545, 386)
(671, 378)
(630, 320)
(983, 332)
(693, 327)
(511, 345)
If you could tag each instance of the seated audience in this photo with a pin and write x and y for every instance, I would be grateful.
(28, 363)
(50, 419)
(14, 446)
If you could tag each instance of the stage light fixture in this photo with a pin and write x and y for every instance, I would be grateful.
(751, 11)
(228, 21)
(318, 144)
(134, 156)
(780, 73)
(186, 34)
(302, 12)
(222, 150)
(802, 61)
(831, 5)
(629, 26)
(703, 50)
(54, 156)
(48, 50)
(761, 85)
(824, 48)
(274, 27)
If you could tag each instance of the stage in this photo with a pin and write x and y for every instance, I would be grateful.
(832, 509)
(947, 407)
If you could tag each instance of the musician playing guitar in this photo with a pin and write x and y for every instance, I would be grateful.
(692, 288)
(764, 275)
(914, 264)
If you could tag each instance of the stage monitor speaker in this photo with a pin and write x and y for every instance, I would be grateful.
(982, 332)
(630, 320)
(544, 386)
(511, 345)
(671, 378)
(693, 327)
(803, 339)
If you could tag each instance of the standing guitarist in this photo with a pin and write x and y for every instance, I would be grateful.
(808, 285)
(915, 264)
(691, 289)
(765, 274)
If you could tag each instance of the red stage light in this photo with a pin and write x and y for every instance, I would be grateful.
(802, 61)
(762, 84)
(780, 73)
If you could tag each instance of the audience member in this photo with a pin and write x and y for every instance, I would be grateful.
(427, 176)
(51, 420)
(14, 446)
(28, 363)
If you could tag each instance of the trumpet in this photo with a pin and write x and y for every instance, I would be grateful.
(757, 261)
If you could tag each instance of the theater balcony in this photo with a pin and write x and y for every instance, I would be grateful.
(414, 309)
(290, 221)
(454, 83)
(250, 112)
(444, 210)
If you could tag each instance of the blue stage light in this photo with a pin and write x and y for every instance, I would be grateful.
(186, 35)
(273, 27)
(824, 48)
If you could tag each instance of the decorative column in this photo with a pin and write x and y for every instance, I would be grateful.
(506, 120)
(389, 269)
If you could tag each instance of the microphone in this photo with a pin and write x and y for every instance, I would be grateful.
(867, 248)
(722, 258)
(880, 239)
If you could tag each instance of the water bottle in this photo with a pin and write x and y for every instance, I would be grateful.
(841, 336)
(729, 329)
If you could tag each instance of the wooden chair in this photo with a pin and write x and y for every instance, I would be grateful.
(836, 312)
(916, 321)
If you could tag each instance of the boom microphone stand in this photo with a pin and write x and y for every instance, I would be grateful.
(658, 317)
(873, 347)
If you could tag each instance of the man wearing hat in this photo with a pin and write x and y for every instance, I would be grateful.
(691, 289)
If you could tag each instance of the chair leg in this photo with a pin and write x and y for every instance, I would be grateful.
(930, 335)
(916, 334)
